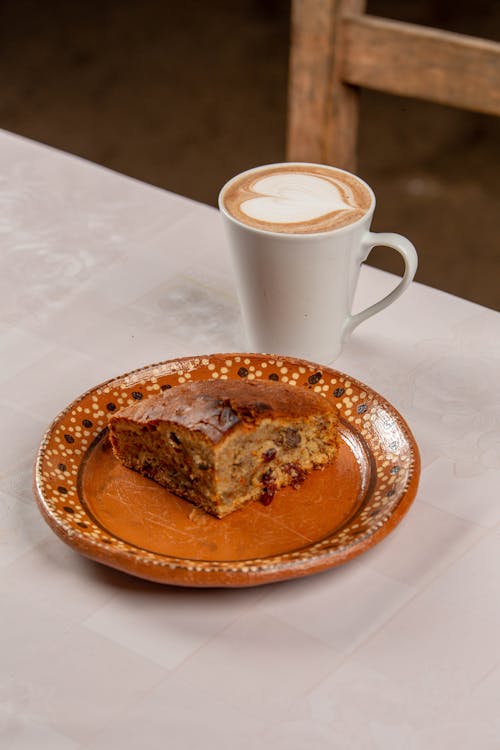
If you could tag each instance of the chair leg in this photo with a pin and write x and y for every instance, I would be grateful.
(322, 109)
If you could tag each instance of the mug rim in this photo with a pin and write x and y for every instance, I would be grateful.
(296, 235)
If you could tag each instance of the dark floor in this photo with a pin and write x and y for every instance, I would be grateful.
(184, 95)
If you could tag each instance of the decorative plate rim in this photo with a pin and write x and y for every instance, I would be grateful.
(164, 568)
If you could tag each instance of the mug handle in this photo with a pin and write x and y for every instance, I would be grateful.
(409, 255)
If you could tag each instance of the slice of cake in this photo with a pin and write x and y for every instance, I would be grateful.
(222, 443)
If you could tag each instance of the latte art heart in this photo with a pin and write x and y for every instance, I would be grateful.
(297, 199)
(287, 198)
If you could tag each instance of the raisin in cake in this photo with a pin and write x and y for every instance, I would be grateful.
(221, 444)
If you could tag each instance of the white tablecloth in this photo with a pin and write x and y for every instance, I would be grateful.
(397, 649)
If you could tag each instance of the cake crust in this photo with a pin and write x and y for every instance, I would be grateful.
(214, 407)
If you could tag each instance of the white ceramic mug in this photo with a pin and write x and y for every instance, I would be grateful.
(296, 290)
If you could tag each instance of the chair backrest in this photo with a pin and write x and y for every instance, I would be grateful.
(336, 48)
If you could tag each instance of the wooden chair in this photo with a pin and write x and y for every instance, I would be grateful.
(336, 48)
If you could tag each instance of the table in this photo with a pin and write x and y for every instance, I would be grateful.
(399, 648)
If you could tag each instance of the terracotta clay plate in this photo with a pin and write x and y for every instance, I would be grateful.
(119, 518)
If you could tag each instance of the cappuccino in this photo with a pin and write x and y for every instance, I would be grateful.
(296, 198)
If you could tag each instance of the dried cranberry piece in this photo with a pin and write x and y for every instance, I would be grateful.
(269, 489)
(268, 494)
(269, 455)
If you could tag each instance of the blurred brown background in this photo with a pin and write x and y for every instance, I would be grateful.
(184, 95)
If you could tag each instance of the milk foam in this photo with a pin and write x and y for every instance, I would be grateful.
(296, 198)
(293, 197)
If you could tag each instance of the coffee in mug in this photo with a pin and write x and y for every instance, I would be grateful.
(298, 234)
(297, 199)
